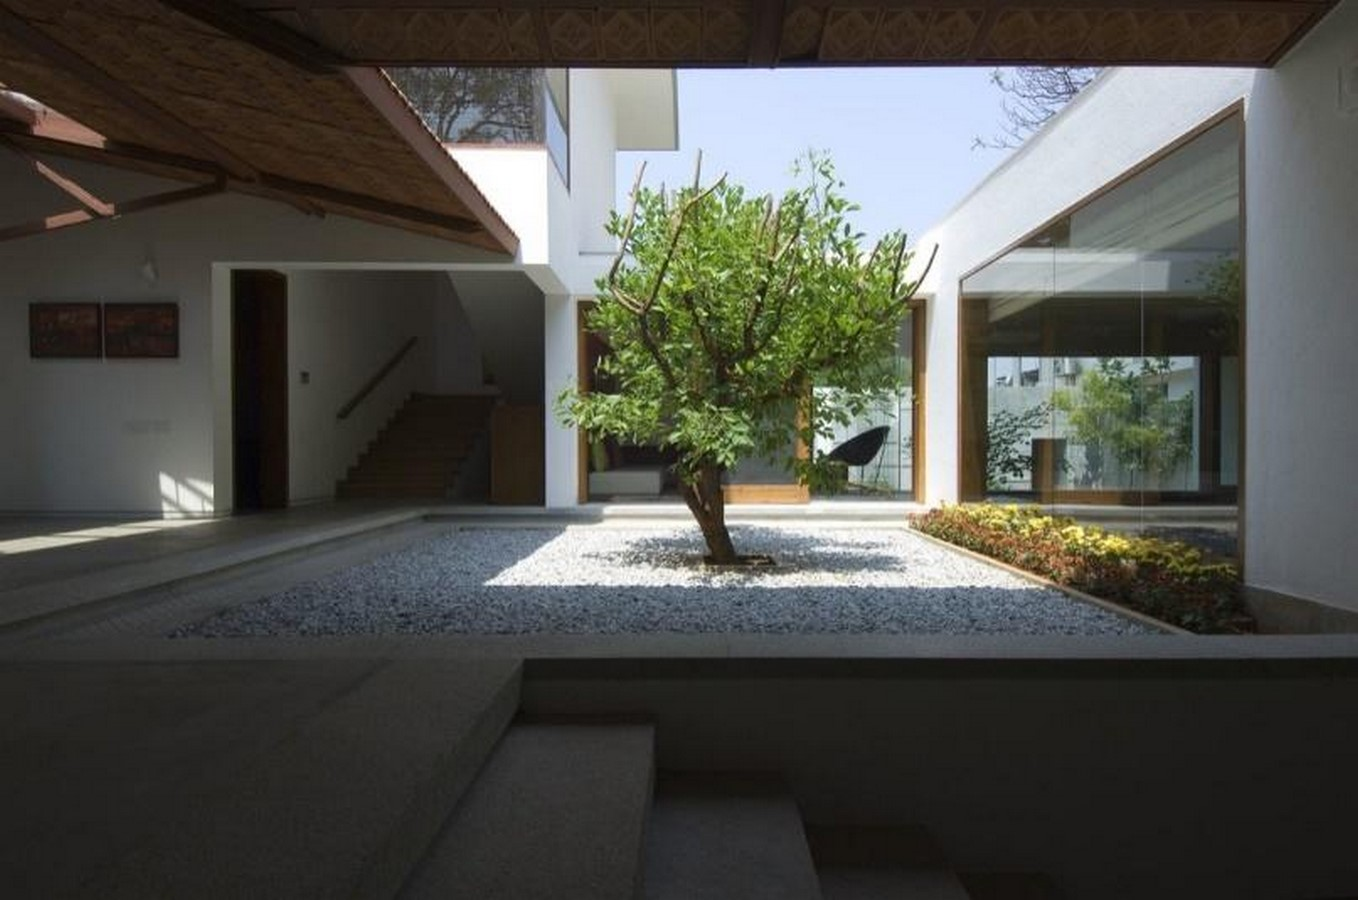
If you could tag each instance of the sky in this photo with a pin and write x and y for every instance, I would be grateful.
(901, 139)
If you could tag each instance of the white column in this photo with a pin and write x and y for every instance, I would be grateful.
(559, 359)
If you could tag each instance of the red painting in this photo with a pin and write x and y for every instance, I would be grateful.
(141, 330)
(64, 331)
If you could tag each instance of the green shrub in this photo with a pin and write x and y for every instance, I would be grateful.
(1168, 580)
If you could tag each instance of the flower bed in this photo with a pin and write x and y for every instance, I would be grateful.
(1165, 579)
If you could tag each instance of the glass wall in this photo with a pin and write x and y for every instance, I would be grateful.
(1101, 358)
(467, 105)
(890, 473)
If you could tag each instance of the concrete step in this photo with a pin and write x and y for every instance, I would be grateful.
(412, 476)
(558, 812)
(726, 837)
(413, 452)
(255, 778)
(882, 863)
(414, 492)
(889, 883)
(1010, 886)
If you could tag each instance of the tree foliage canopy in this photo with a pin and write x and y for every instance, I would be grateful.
(1127, 411)
(473, 105)
(722, 310)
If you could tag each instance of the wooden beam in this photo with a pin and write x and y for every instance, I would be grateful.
(263, 33)
(69, 186)
(325, 194)
(310, 199)
(84, 144)
(982, 36)
(61, 137)
(82, 216)
(38, 41)
(766, 31)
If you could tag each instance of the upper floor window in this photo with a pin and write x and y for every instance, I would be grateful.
(471, 105)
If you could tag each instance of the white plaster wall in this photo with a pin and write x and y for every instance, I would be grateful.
(1120, 121)
(148, 436)
(515, 181)
(560, 360)
(594, 145)
(342, 328)
(1301, 500)
(505, 313)
(457, 364)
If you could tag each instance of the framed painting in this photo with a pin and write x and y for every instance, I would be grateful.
(141, 330)
(64, 331)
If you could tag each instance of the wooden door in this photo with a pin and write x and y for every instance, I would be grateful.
(259, 352)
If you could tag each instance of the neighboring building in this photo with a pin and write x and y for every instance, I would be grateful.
(323, 297)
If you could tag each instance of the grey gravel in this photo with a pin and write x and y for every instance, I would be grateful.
(607, 579)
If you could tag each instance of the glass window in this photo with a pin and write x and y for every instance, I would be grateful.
(1101, 357)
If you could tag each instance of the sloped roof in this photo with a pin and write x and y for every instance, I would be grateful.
(158, 84)
(793, 32)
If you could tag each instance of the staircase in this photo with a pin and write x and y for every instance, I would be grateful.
(404, 778)
(568, 810)
(422, 448)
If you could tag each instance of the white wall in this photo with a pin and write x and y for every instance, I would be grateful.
(505, 313)
(1120, 121)
(342, 328)
(560, 361)
(457, 363)
(1301, 499)
(147, 436)
(594, 145)
(514, 179)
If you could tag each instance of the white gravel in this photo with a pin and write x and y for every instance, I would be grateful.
(601, 579)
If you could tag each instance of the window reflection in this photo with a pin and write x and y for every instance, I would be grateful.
(470, 105)
(1101, 357)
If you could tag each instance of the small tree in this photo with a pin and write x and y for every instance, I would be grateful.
(1007, 454)
(721, 311)
(1127, 412)
(473, 105)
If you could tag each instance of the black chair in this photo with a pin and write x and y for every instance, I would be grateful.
(860, 450)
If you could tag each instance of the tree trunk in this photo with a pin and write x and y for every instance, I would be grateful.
(708, 505)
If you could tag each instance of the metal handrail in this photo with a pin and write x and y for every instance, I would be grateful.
(371, 384)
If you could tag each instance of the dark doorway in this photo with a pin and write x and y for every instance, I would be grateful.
(259, 388)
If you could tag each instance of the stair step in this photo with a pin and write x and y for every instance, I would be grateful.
(1010, 886)
(877, 863)
(356, 492)
(889, 883)
(421, 450)
(558, 812)
(907, 846)
(312, 778)
(734, 837)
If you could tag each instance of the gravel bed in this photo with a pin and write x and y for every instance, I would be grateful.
(601, 579)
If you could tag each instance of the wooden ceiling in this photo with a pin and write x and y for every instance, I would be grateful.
(171, 94)
(781, 32)
(283, 98)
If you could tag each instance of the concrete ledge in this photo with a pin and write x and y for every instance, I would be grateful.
(1279, 613)
(36, 601)
(230, 779)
